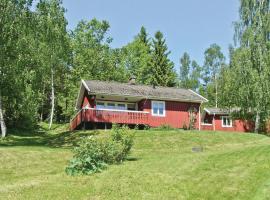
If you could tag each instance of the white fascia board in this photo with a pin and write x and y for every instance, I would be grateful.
(205, 100)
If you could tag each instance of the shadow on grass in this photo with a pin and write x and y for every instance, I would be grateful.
(131, 159)
(65, 139)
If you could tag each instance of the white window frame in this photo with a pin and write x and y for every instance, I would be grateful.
(222, 122)
(152, 110)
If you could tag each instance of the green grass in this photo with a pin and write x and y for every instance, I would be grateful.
(162, 165)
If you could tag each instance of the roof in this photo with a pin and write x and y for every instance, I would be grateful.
(220, 111)
(143, 91)
(126, 89)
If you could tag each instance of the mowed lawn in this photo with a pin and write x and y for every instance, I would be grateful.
(162, 165)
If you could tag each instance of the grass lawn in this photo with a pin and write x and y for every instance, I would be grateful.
(162, 165)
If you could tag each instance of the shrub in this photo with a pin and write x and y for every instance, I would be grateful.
(95, 153)
(124, 136)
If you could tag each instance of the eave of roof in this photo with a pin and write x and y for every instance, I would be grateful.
(217, 111)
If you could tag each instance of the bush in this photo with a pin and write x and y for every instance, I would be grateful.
(95, 153)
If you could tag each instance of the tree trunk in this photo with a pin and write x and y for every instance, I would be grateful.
(2, 121)
(42, 103)
(52, 100)
(257, 122)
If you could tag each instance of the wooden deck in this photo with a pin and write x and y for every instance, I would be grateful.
(109, 116)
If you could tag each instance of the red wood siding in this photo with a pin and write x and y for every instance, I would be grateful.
(88, 100)
(176, 114)
(106, 116)
(120, 117)
(237, 125)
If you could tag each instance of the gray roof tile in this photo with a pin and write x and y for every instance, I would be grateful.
(144, 91)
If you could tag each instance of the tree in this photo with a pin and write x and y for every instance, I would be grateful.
(53, 42)
(16, 64)
(93, 58)
(162, 69)
(195, 76)
(249, 68)
(143, 36)
(185, 70)
(137, 57)
(214, 60)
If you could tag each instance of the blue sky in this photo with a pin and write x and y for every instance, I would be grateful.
(188, 25)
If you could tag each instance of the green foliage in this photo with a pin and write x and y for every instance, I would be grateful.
(195, 76)
(246, 81)
(137, 57)
(184, 70)
(95, 153)
(162, 69)
(214, 61)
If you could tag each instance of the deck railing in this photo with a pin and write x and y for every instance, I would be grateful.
(109, 116)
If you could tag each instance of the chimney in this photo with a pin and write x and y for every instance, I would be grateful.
(132, 80)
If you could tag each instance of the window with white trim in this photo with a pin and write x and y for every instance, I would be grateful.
(226, 121)
(158, 108)
(111, 105)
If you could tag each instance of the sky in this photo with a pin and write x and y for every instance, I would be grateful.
(188, 25)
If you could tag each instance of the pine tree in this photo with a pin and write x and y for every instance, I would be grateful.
(162, 69)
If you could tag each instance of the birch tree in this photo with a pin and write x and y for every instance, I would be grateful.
(249, 72)
(214, 60)
(53, 42)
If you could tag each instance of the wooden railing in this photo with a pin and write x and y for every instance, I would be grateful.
(109, 116)
(76, 120)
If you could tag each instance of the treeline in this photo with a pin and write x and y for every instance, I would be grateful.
(42, 63)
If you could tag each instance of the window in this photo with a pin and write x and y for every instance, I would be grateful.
(121, 106)
(158, 108)
(226, 121)
(100, 105)
(111, 105)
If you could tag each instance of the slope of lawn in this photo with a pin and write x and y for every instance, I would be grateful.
(162, 165)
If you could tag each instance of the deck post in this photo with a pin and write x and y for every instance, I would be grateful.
(214, 122)
(200, 117)
(105, 126)
(83, 118)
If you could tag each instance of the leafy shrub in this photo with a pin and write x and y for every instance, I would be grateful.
(95, 153)
(123, 136)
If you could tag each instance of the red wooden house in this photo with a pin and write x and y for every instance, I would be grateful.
(100, 104)
(219, 119)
